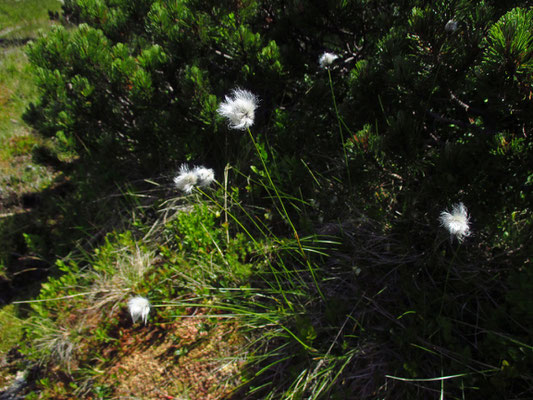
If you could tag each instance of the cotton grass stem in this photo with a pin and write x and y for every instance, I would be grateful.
(339, 121)
(277, 194)
(226, 225)
(282, 204)
(446, 280)
(257, 245)
(440, 378)
(55, 298)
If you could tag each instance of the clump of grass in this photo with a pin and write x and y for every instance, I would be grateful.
(114, 281)
(53, 343)
(335, 314)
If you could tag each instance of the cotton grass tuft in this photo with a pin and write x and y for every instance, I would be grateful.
(327, 59)
(457, 222)
(187, 178)
(451, 26)
(139, 308)
(239, 109)
(205, 176)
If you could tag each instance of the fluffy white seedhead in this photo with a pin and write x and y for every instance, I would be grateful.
(239, 109)
(456, 222)
(186, 179)
(327, 59)
(205, 176)
(451, 26)
(139, 308)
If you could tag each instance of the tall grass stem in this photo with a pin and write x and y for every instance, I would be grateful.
(339, 121)
(286, 214)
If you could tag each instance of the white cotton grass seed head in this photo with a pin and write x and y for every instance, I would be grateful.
(205, 176)
(139, 308)
(239, 109)
(186, 179)
(327, 59)
(451, 26)
(456, 222)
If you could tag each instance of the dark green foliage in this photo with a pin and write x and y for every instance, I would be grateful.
(147, 90)
(430, 103)
(507, 69)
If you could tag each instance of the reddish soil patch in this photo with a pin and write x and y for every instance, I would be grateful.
(195, 358)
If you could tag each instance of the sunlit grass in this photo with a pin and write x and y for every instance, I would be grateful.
(22, 19)
(16, 90)
(10, 325)
(18, 174)
(10, 334)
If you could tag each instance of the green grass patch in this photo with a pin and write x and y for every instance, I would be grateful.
(22, 19)
(19, 22)
(20, 173)
(10, 328)
(16, 91)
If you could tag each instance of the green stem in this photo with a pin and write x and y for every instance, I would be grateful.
(257, 246)
(297, 237)
(277, 193)
(339, 121)
(446, 281)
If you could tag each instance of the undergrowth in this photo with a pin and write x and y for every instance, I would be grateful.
(349, 310)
